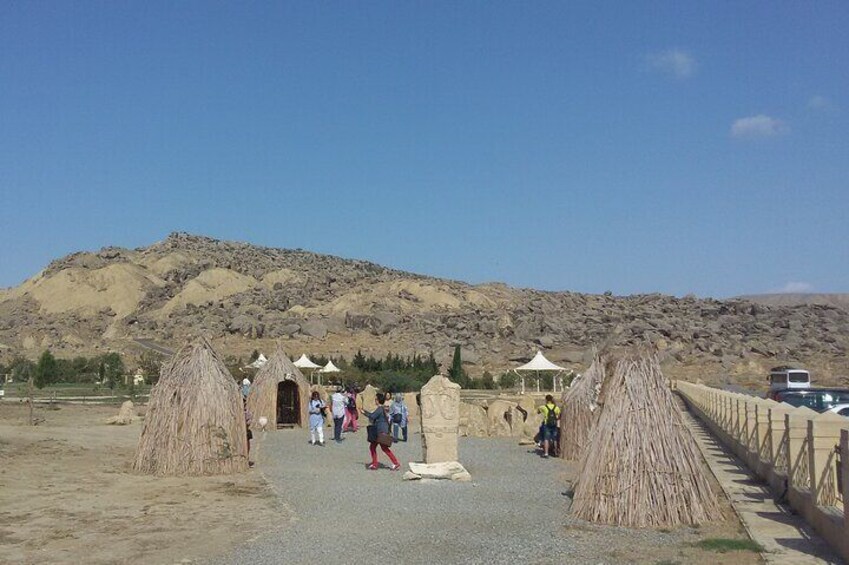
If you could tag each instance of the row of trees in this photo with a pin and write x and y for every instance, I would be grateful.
(108, 369)
(393, 372)
(406, 374)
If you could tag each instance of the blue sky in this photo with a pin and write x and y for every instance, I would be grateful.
(675, 147)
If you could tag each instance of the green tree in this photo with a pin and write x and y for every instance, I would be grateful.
(456, 373)
(47, 370)
(487, 381)
(21, 369)
(359, 361)
(113, 369)
(431, 365)
(507, 380)
(150, 364)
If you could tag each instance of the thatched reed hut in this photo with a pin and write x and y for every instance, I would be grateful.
(280, 394)
(581, 410)
(195, 422)
(644, 468)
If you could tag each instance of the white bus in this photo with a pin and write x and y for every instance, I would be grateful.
(788, 377)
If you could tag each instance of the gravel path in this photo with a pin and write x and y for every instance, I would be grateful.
(483, 521)
(515, 509)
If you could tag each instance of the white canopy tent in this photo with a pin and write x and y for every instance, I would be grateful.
(539, 364)
(258, 362)
(304, 362)
(329, 368)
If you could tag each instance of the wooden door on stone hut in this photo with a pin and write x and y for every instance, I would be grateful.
(288, 404)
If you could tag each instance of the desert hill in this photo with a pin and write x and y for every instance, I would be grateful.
(247, 297)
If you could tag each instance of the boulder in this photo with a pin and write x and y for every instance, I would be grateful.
(378, 323)
(126, 415)
(451, 470)
(314, 328)
(246, 325)
(545, 341)
(473, 421)
(529, 426)
(288, 329)
(574, 356)
(500, 415)
(412, 405)
(366, 400)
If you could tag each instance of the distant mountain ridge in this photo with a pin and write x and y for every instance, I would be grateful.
(247, 297)
(838, 300)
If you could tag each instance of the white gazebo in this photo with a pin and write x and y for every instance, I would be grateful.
(258, 362)
(305, 362)
(329, 368)
(537, 365)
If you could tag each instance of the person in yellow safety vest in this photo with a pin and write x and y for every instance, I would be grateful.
(550, 418)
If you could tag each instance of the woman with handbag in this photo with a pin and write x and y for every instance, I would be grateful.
(378, 433)
(317, 411)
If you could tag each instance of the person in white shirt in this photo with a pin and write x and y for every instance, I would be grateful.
(338, 402)
(317, 414)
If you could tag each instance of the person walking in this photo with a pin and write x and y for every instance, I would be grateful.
(246, 388)
(378, 430)
(317, 410)
(550, 419)
(249, 420)
(338, 405)
(351, 416)
(398, 417)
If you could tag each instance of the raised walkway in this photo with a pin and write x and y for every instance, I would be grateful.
(784, 535)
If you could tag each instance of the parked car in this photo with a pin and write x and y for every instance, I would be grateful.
(817, 399)
(840, 409)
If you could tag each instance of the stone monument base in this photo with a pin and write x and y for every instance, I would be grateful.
(445, 470)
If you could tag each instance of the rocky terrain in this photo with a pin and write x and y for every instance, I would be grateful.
(246, 297)
(795, 299)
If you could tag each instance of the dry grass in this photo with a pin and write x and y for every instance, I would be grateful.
(195, 423)
(644, 468)
(580, 411)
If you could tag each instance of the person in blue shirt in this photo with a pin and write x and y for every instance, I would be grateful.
(398, 417)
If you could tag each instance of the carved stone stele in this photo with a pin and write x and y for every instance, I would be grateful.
(440, 420)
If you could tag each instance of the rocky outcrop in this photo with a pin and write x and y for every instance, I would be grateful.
(247, 295)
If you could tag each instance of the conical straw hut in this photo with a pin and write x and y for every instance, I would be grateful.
(644, 469)
(195, 421)
(279, 393)
(580, 411)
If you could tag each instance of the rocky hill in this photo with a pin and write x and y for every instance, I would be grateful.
(795, 299)
(246, 297)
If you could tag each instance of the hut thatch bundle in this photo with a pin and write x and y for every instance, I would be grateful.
(195, 422)
(266, 396)
(580, 410)
(644, 469)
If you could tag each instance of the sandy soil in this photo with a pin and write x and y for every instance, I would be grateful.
(66, 496)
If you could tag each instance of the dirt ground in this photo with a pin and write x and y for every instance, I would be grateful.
(67, 495)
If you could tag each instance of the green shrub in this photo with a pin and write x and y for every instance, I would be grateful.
(724, 545)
